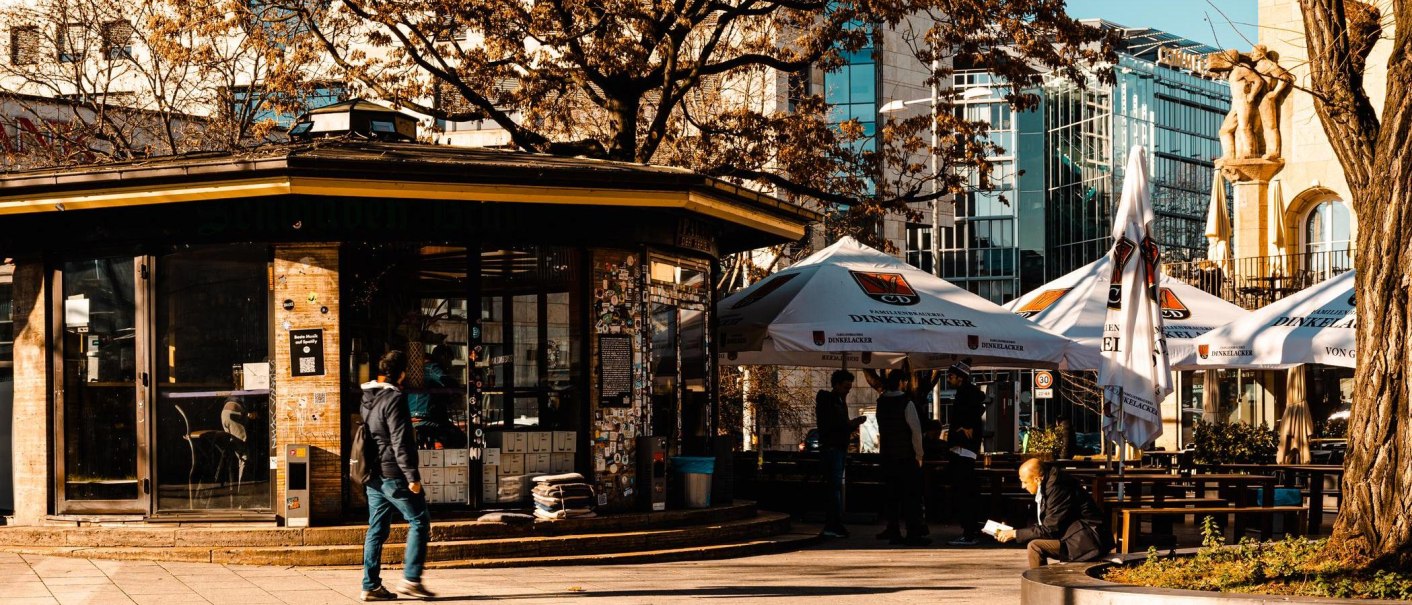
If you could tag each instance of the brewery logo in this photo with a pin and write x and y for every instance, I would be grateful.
(1172, 306)
(1039, 303)
(1122, 253)
(973, 342)
(1203, 350)
(819, 338)
(1350, 300)
(1150, 257)
(890, 288)
(764, 289)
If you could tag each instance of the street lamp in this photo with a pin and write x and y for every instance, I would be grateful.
(978, 92)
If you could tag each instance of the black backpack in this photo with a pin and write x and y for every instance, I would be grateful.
(362, 455)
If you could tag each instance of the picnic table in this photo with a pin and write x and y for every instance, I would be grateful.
(1314, 477)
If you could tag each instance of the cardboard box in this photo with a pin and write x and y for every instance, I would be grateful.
(456, 494)
(454, 458)
(455, 476)
(433, 493)
(489, 475)
(490, 492)
(490, 456)
(509, 442)
(434, 476)
(512, 464)
(561, 463)
(537, 463)
(540, 442)
(431, 458)
(565, 441)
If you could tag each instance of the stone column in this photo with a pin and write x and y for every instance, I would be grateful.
(32, 442)
(306, 407)
(1251, 228)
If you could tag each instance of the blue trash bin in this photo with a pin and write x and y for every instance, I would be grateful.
(696, 474)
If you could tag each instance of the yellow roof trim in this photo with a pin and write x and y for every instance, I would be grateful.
(697, 201)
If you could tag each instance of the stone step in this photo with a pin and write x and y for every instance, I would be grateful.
(762, 546)
(538, 547)
(443, 530)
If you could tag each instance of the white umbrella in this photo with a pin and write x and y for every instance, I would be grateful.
(851, 299)
(1277, 229)
(1315, 325)
(1076, 306)
(1218, 227)
(1135, 372)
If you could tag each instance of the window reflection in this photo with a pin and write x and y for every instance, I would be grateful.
(213, 378)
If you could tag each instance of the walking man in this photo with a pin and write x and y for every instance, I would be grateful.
(396, 484)
(900, 441)
(964, 438)
(835, 428)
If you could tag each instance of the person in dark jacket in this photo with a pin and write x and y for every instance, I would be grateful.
(964, 439)
(835, 430)
(900, 445)
(396, 483)
(1071, 526)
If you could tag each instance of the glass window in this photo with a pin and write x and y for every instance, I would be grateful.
(213, 378)
(1328, 227)
(99, 372)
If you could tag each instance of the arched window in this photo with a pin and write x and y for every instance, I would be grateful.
(1328, 228)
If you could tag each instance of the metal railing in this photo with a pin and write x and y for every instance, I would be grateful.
(1257, 281)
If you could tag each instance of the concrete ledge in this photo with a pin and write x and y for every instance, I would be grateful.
(1078, 584)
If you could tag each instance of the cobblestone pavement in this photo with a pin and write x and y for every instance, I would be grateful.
(855, 570)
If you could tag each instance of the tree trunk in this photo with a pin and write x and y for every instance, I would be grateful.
(1376, 516)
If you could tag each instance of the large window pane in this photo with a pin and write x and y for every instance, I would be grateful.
(213, 392)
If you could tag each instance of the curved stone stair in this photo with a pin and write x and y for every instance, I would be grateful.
(721, 532)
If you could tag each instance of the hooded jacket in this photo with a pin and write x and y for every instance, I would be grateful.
(390, 425)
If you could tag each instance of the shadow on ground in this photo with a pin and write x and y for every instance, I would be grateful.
(735, 592)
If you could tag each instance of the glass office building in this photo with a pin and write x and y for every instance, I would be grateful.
(1061, 173)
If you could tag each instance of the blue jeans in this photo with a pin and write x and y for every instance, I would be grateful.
(382, 498)
(833, 461)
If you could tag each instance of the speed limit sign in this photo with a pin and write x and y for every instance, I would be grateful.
(1043, 379)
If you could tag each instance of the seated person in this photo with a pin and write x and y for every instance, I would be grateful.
(429, 407)
(1071, 525)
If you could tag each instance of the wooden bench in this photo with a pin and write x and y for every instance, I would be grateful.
(1132, 516)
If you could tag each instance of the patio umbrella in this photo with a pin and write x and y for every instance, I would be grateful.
(1218, 227)
(851, 303)
(1076, 306)
(1314, 325)
(1135, 372)
(1296, 425)
(1278, 264)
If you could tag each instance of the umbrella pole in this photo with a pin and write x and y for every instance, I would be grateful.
(1122, 441)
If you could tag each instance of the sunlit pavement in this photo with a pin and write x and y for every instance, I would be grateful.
(855, 570)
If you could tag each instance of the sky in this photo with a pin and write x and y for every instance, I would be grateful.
(1194, 19)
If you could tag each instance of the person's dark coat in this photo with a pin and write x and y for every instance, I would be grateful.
(390, 425)
(966, 413)
(831, 413)
(1072, 517)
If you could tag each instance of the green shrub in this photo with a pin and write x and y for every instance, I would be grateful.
(1294, 566)
(1044, 442)
(1233, 443)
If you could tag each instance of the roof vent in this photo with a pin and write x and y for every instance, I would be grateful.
(355, 116)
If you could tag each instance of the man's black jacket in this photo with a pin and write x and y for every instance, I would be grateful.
(390, 425)
(1072, 517)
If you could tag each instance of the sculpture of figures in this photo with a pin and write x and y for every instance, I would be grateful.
(1239, 133)
(1278, 80)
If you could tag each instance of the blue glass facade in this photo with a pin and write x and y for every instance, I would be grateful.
(1062, 173)
(852, 93)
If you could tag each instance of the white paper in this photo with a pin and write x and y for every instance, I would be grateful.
(76, 311)
(994, 527)
(255, 376)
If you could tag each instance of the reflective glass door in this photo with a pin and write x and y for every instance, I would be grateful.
(102, 448)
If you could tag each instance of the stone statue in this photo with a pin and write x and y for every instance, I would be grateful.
(1258, 86)
(1278, 81)
(1239, 133)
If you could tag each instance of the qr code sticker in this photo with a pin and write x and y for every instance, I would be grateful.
(306, 364)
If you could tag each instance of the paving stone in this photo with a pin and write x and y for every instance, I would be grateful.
(168, 599)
